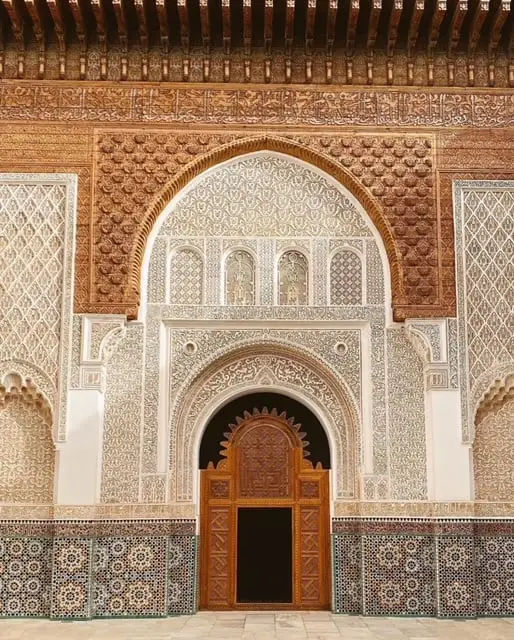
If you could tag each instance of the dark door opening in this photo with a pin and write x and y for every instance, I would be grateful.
(264, 555)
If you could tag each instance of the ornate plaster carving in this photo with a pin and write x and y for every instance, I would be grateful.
(37, 233)
(250, 367)
(100, 337)
(484, 214)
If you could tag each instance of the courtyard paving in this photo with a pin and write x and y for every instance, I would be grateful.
(262, 626)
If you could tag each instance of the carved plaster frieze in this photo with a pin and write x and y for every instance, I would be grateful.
(100, 337)
(430, 340)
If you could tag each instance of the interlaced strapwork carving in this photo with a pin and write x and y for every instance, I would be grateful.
(240, 279)
(186, 277)
(345, 278)
(32, 220)
(293, 279)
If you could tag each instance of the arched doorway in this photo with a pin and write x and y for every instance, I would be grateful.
(265, 511)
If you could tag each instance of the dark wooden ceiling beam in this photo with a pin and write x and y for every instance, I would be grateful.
(247, 39)
(183, 15)
(60, 32)
(459, 13)
(477, 22)
(392, 36)
(433, 35)
(374, 18)
(142, 29)
(331, 36)
(205, 27)
(81, 31)
(351, 35)
(227, 38)
(164, 36)
(101, 28)
(121, 22)
(495, 32)
(288, 38)
(39, 32)
(268, 38)
(18, 27)
(309, 38)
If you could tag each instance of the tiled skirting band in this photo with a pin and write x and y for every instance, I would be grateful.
(97, 569)
(381, 566)
(445, 568)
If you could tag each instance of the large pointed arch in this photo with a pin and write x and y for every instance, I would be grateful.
(251, 145)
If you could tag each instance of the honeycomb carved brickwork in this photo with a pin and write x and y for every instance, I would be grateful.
(392, 176)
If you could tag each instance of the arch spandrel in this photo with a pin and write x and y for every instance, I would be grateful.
(264, 366)
(149, 225)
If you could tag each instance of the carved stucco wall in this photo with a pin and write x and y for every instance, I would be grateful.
(493, 455)
(37, 229)
(484, 230)
(27, 454)
(266, 206)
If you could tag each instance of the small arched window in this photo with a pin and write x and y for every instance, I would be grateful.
(240, 279)
(293, 279)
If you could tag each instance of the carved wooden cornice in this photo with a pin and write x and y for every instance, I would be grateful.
(215, 36)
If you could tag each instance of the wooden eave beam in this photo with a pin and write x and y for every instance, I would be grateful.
(310, 19)
(142, 23)
(501, 15)
(17, 22)
(309, 25)
(60, 32)
(162, 15)
(458, 16)
(227, 26)
(374, 17)
(435, 25)
(183, 15)
(99, 12)
(247, 38)
(18, 27)
(78, 17)
(39, 32)
(121, 22)
(331, 26)
(477, 22)
(205, 26)
(81, 31)
(289, 26)
(392, 28)
(351, 29)
(268, 38)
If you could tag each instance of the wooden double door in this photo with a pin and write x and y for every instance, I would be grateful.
(264, 520)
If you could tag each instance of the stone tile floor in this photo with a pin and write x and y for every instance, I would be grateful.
(318, 625)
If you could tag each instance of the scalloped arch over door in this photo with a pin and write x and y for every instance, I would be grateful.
(264, 467)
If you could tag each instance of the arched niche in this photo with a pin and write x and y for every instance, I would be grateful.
(263, 367)
(333, 176)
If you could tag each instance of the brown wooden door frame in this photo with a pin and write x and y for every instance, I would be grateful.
(223, 492)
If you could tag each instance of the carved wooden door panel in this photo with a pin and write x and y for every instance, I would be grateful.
(265, 466)
(313, 536)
